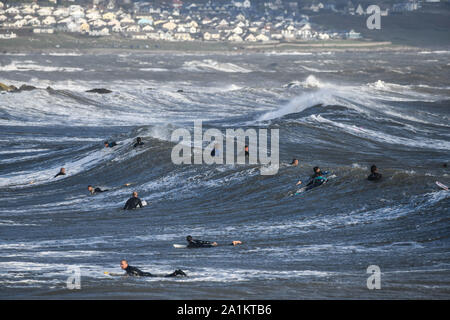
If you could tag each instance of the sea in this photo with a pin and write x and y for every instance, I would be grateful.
(342, 111)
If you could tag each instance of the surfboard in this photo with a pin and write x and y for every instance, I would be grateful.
(144, 203)
(180, 246)
(302, 190)
(113, 274)
(441, 185)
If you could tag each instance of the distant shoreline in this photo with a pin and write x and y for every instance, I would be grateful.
(63, 43)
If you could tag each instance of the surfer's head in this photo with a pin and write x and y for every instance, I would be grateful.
(90, 188)
(123, 264)
(294, 162)
(106, 143)
(373, 168)
(63, 170)
(189, 238)
(139, 139)
(316, 169)
(135, 194)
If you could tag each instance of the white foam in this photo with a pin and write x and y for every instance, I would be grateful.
(208, 65)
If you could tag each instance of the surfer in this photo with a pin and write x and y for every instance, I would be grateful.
(294, 162)
(62, 172)
(374, 175)
(316, 179)
(195, 243)
(215, 152)
(110, 144)
(133, 271)
(138, 142)
(246, 151)
(133, 202)
(95, 190)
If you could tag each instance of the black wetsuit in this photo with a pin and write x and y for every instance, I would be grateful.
(133, 203)
(138, 144)
(374, 176)
(59, 174)
(97, 190)
(133, 271)
(200, 244)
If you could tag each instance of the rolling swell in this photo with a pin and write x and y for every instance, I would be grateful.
(308, 245)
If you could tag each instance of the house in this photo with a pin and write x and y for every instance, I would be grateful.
(250, 38)
(45, 11)
(133, 28)
(117, 28)
(139, 36)
(353, 35)
(235, 38)
(44, 30)
(144, 21)
(148, 28)
(12, 11)
(61, 12)
(84, 27)
(109, 16)
(49, 21)
(99, 23)
(182, 37)
(262, 38)
(169, 26)
(237, 30)
(99, 33)
(11, 35)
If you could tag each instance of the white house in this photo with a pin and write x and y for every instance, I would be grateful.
(148, 28)
(235, 38)
(237, 30)
(45, 11)
(133, 28)
(61, 12)
(49, 21)
(250, 38)
(12, 11)
(262, 38)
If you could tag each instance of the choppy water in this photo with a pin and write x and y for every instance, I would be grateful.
(340, 111)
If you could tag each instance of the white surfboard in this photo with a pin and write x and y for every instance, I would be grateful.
(441, 185)
(144, 203)
(180, 246)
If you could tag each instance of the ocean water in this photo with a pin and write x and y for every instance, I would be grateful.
(342, 111)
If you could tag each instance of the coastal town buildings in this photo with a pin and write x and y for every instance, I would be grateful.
(234, 20)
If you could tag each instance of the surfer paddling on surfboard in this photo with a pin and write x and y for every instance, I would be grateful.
(135, 272)
(317, 179)
(195, 243)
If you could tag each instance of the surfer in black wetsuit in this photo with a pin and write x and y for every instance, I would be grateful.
(246, 151)
(133, 271)
(110, 144)
(133, 202)
(374, 175)
(194, 243)
(62, 172)
(316, 179)
(215, 152)
(138, 142)
(95, 190)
